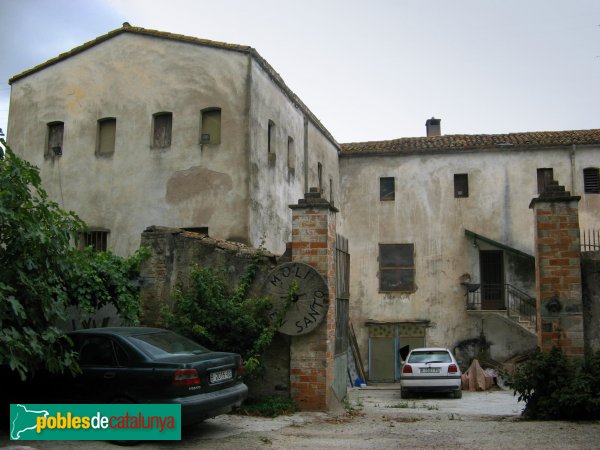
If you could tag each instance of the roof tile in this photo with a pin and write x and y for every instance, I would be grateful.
(470, 142)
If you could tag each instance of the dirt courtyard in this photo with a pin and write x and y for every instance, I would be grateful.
(377, 418)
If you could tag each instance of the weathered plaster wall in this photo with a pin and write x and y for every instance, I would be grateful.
(425, 212)
(273, 187)
(589, 205)
(131, 77)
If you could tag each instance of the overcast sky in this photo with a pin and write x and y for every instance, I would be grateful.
(369, 70)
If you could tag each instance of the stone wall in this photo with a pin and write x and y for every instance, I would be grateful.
(173, 254)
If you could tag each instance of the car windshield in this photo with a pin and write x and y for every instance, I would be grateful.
(165, 343)
(430, 356)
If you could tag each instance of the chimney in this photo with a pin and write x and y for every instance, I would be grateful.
(433, 127)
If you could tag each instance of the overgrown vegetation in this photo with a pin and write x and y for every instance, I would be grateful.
(556, 387)
(41, 273)
(223, 318)
(100, 278)
(270, 406)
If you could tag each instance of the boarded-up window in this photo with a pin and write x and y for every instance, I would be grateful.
(162, 130)
(396, 267)
(544, 177)
(55, 138)
(211, 126)
(387, 189)
(97, 239)
(107, 129)
(461, 185)
(591, 180)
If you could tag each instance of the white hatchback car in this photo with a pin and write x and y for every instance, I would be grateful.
(430, 370)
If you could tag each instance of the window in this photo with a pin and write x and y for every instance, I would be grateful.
(291, 155)
(544, 177)
(591, 180)
(55, 138)
(97, 239)
(396, 267)
(387, 189)
(320, 176)
(161, 131)
(211, 126)
(331, 199)
(107, 129)
(97, 351)
(461, 185)
(271, 131)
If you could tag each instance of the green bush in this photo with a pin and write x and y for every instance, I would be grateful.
(556, 387)
(41, 273)
(222, 318)
(270, 406)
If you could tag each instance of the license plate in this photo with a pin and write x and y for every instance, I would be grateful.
(221, 375)
(430, 370)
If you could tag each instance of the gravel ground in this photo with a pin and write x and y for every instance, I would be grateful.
(377, 418)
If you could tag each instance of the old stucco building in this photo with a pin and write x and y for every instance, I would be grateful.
(140, 127)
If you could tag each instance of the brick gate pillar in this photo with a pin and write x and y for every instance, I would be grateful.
(558, 271)
(312, 354)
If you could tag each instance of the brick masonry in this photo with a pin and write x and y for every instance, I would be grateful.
(558, 271)
(312, 355)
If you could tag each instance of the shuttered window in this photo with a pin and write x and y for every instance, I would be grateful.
(544, 177)
(55, 138)
(591, 180)
(211, 126)
(107, 129)
(162, 130)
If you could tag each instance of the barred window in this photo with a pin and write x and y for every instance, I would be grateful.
(97, 239)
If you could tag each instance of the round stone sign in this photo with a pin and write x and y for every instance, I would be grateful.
(309, 302)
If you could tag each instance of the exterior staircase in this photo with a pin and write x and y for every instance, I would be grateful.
(519, 306)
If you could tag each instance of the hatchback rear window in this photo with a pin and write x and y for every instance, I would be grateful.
(433, 356)
(165, 343)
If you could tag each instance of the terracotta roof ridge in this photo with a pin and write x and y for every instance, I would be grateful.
(465, 135)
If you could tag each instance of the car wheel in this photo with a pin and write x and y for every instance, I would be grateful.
(458, 394)
(124, 400)
(404, 393)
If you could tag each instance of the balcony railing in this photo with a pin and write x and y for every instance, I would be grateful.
(590, 240)
(502, 297)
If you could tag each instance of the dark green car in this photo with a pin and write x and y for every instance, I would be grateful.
(152, 365)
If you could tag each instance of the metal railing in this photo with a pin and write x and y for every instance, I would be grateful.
(590, 240)
(518, 304)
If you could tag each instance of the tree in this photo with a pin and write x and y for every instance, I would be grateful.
(41, 273)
